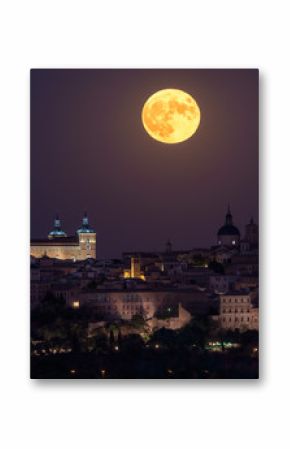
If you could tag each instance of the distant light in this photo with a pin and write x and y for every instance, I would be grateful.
(116, 348)
(233, 242)
(103, 372)
(73, 371)
(76, 305)
(157, 346)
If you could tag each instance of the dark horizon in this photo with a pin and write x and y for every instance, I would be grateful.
(89, 152)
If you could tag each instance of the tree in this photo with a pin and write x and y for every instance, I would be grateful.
(196, 332)
(164, 337)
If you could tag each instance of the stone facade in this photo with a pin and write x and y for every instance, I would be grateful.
(58, 246)
(81, 247)
(124, 304)
(237, 312)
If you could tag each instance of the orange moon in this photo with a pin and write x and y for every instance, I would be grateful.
(171, 116)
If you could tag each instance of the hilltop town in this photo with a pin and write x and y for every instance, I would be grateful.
(202, 298)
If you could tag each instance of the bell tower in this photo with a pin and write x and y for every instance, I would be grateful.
(57, 231)
(252, 233)
(87, 239)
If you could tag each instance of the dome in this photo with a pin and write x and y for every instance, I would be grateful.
(228, 230)
(57, 231)
(85, 228)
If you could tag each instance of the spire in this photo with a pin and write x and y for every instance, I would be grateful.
(168, 246)
(85, 228)
(85, 219)
(56, 222)
(57, 231)
(229, 218)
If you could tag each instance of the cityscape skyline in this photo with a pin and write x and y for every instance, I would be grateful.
(157, 249)
(88, 148)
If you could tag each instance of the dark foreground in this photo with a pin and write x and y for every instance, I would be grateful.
(135, 360)
(63, 347)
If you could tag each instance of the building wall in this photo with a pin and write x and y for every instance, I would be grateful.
(123, 305)
(221, 284)
(172, 323)
(126, 304)
(87, 245)
(84, 250)
(237, 312)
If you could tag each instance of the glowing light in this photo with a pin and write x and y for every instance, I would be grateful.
(127, 274)
(171, 116)
(76, 305)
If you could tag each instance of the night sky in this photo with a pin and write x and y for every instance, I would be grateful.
(90, 152)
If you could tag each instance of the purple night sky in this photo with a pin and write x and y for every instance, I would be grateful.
(90, 152)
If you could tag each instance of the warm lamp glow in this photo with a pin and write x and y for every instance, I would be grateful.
(171, 116)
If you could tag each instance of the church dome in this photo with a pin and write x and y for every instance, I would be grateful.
(85, 227)
(228, 234)
(57, 231)
(228, 230)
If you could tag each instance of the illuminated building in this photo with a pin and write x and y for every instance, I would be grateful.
(120, 303)
(60, 246)
(238, 312)
(135, 269)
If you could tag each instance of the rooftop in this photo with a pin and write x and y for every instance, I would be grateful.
(63, 241)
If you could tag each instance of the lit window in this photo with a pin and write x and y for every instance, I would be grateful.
(76, 305)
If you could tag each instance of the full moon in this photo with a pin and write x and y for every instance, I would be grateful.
(170, 116)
